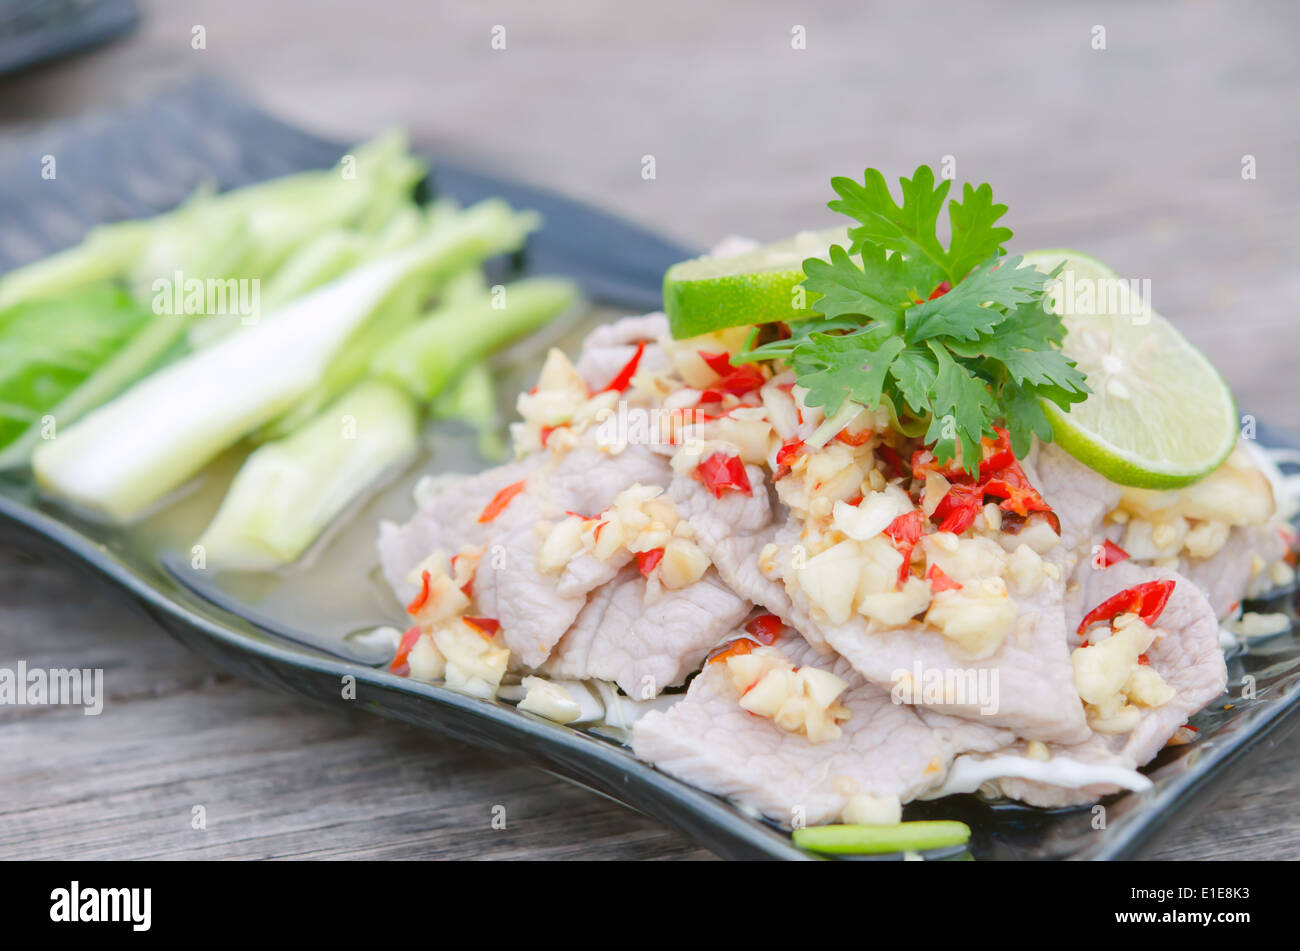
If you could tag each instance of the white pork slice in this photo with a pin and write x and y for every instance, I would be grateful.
(708, 740)
(644, 637)
(1030, 675)
(534, 608)
(733, 531)
(445, 519)
(1188, 659)
(1026, 686)
(609, 347)
(1226, 576)
(1050, 778)
(1080, 497)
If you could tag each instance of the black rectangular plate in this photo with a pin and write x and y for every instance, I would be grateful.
(147, 159)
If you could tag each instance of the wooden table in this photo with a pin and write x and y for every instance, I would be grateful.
(1134, 153)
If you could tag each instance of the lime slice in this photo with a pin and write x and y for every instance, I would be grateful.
(1159, 415)
(757, 287)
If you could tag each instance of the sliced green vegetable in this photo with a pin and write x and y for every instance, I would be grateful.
(473, 399)
(872, 840)
(105, 254)
(287, 492)
(51, 347)
(128, 454)
(427, 356)
(482, 231)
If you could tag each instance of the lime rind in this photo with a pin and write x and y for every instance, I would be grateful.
(757, 287)
(1160, 415)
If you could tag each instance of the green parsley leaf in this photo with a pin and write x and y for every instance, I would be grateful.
(958, 336)
(845, 366)
(909, 229)
(1024, 416)
(914, 372)
(963, 410)
(962, 313)
(974, 238)
(878, 290)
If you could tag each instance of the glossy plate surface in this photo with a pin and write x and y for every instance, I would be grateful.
(297, 630)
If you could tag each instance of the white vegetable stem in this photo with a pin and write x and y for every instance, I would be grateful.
(288, 491)
(121, 459)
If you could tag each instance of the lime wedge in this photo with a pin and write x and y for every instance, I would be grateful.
(757, 287)
(1159, 415)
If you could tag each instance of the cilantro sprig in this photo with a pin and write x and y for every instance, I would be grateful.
(953, 339)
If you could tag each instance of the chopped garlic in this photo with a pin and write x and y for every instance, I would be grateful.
(562, 542)
(872, 810)
(1112, 681)
(895, 608)
(1206, 538)
(682, 565)
(425, 660)
(474, 663)
(873, 514)
(799, 700)
(1026, 570)
(830, 579)
(975, 620)
(549, 700)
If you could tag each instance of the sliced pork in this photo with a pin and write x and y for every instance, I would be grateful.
(930, 641)
(707, 739)
(645, 638)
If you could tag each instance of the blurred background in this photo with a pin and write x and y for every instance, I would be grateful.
(1133, 152)
(1161, 137)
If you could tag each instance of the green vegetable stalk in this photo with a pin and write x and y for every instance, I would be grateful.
(430, 354)
(472, 399)
(288, 491)
(55, 354)
(125, 456)
(873, 840)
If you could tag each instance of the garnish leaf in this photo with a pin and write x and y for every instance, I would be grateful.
(845, 366)
(959, 335)
(974, 236)
(962, 313)
(963, 410)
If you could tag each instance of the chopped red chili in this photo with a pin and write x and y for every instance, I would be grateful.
(940, 581)
(743, 379)
(959, 507)
(401, 660)
(766, 628)
(905, 531)
(624, 376)
(854, 439)
(893, 460)
(943, 287)
(500, 501)
(722, 473)
(741, 645)
(1112, 554)
(789, 452)
(468, 586)
(1145, 600)
(719, 363)
(647, 561)
(422, 598)
(486, 626)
